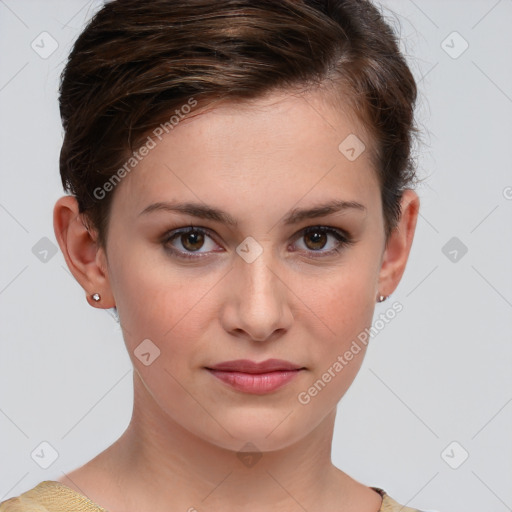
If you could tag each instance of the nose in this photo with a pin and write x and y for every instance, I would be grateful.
(257, 303)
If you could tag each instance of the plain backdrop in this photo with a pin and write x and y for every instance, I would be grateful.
(429, 416)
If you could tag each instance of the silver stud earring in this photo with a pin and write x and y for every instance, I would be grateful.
(382, 298)
(96, 297)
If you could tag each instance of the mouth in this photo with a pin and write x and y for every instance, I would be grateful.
(256, 378)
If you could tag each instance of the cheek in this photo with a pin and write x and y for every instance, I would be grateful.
(344, 301)
(156, 300)
(338, 354)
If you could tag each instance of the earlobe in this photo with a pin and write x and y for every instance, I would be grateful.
(81, 252)
(399, 244)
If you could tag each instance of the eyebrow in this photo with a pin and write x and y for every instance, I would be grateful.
(296, 215)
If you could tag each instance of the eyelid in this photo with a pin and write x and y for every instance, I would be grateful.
(171, 234)
(343, 237)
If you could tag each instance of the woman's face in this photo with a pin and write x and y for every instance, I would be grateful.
(257, 289)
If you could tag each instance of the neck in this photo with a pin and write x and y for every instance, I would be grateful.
(160, 465)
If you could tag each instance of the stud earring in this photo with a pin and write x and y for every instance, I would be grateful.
(382, 298)
(96, 297)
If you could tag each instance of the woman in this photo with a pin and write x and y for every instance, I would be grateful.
(241, 193)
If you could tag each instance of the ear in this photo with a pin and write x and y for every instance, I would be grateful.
(85, 259)
(399, 244)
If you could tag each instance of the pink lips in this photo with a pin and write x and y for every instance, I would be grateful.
(256, 378)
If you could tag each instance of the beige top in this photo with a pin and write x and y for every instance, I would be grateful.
(51, 496)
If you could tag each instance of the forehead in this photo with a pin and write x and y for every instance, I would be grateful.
(283, 146)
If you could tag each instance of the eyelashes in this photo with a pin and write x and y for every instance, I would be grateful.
(192, 236)
(343, 239)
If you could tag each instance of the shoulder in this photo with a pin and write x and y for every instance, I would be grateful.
(21, 504)
(389, 504)
(24, 502)
(50, 496)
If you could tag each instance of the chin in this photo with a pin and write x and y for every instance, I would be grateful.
(268, 433)
(247, 442)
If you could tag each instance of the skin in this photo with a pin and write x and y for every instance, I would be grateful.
(257, 161)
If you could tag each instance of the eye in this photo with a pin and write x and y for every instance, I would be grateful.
(193, 238)
(190, 238)
(317, 237)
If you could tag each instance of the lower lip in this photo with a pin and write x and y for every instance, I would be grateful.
(256, 383)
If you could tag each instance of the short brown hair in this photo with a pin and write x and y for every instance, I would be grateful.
(137, 62)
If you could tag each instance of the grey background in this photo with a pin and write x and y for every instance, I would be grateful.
(439, 372)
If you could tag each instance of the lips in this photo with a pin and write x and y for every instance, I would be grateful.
(256, 378)
(247, 366)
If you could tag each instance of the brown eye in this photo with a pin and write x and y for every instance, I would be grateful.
(317, 238)
(192, 241)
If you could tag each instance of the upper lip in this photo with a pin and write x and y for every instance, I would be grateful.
(247, 366)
